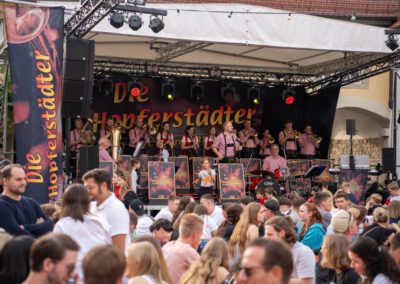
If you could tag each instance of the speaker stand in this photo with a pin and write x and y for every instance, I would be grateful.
(352, 163)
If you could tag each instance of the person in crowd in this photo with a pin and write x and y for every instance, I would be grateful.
(207, 177)
(335, 256)
(244, 201)
(189, 209)
(395, 248)
(260, 196)
(342, 200)
(133, 221)
(394, 212)
(280, 228)
(20, 215)
(98, 184)
(137, 135)
(180, 254)
(135, 165)
(143, 264)
(4, 238)
(265, 144)
(212, 267)
(308, 143)
(249, 139)
(183, 202)
(312, 232)
(215, 212)
(323, 201)
(274, 162)
(380, 230)
(52, 259)
(372, 262)
(225, 207)
(14, 260)
(233, 214)
(209, 227)
(85, 228)
(104, 265)
(296, 203)
(49, 209)
(162, 230)
(314, 191)
(271, 209)
(286, 208)
(266, 261)
(122, 184)
(373, 201)
(144, 220)
(190, 143)
(163, 265)
(169, 211)
(394, 192)
(245, 230)
(226, 144)
(344, 223)
(104, 156)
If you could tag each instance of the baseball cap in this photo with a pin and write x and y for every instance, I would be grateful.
(273, 206)
(137, 206)
(342, 221)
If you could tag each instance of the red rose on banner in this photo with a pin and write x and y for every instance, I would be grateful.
(21, 111)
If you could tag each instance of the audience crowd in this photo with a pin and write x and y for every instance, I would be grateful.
(101, 233)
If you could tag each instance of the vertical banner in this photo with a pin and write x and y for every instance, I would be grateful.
(35, 40)
(161, 180)
(231, 181)
(357, 180)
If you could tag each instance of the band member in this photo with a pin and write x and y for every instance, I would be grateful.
(226, 144)
(106, 131)
(288, 140)
(104, 156)
(165, 141)
(274, 162)
(78, 138)
(208, 142)
(308, 143)
(190, 143)
(249, 140)
(136, 135)
(265, 144)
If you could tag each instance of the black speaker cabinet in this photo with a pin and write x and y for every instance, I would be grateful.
(350, 126)
(388, 160)
(78, 78)
(88, 159)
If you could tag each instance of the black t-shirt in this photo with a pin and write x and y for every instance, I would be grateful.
(378, 233)
(348, 276)
(228, 232)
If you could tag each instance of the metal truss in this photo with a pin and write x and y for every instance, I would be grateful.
(87, 16)
(179, 48)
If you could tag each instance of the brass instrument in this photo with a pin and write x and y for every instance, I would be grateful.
(153, 129)
(116, 140)
(271, 140)
(316, 138)
(297, 134)
(87, 135)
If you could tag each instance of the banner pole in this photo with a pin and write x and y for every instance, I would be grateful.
(5, 108)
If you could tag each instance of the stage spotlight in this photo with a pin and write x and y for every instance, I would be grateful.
(106, 86)
(227, 92)
(215, 73)
(289, 96)
(135, 22)
(197, 92)
(253, 94)
(168, 91)
(392, 43)
(156, 24)
(135, 88)
(137, 2)
(117, 20)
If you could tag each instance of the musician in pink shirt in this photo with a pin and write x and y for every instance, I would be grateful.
(274, 162)
(288, 140)
(106, 131)
(249, 140)
(136, 135)
(265, 144)
(104, 156)
(226, 144)
(308, 143)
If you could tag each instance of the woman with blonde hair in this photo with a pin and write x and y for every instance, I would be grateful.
(380, 230)
(143, 264)
(394, 212)
(334, 250)
(245, 230)
(212, 267)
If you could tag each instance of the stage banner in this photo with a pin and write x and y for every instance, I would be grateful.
(357, 180)
(35, 41)
(161, 180)
(182, 176)
(231, 181)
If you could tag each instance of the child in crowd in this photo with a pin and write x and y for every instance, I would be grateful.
(394, 191)
(374, 201)
(135, 165)
(133, 220)
(260, 196)
(270, 193)
(206, 178)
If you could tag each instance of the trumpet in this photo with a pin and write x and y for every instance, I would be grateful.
(316, 139)
(87, 135)
(297, 134)
(153, 129)
(271, 140)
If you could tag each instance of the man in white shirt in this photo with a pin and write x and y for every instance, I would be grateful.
(168, 212)
(144, 221)
(98, 183)
(215, 212)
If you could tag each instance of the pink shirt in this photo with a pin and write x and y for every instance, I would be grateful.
(219, 143)
(75, 136)
(104, 156)
(288, 145)
(135, 134)
(272, 163)
(308, 145)
(244, 136)
(178, 256)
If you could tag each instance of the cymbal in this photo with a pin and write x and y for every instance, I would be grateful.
(261, 173)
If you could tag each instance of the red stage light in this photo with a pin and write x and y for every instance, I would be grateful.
(289, 100)
(135, 92)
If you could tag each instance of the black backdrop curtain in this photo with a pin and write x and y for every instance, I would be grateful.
(318, 110)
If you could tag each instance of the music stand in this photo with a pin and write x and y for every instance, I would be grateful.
(314, 171)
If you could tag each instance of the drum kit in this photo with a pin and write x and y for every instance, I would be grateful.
(261, 179)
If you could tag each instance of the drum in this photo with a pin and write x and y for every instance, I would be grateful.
(269, 183)
(254, 181)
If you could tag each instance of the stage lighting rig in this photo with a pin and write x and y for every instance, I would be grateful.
(135, 88)
(106, 86)
(156, 24)
(392, 43)
(168, 90)
(135, 22)
(289, 96)
(253, 94)
(117, 20)
(197, 91)
(137, 2)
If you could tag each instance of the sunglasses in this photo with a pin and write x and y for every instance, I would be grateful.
(248, 271)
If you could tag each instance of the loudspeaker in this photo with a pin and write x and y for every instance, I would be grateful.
(88, 159)
(78, 78)
(388, 160)
(350, 126)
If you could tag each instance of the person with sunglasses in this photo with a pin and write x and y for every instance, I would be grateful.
(52, 260)
(266, 261)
